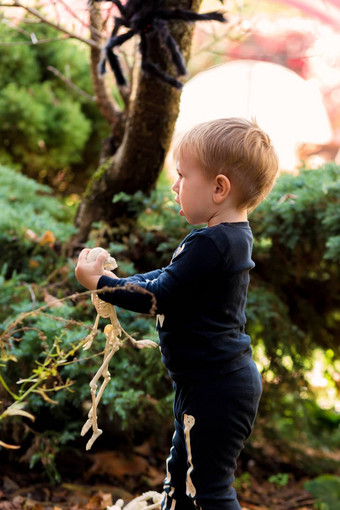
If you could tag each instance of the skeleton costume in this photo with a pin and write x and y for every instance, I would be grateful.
(200, 299)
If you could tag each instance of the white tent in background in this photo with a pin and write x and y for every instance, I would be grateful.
(287, 107)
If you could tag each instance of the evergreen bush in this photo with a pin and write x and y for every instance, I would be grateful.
(32, 222)
(297, 254)
(47, 129)
(293, 308)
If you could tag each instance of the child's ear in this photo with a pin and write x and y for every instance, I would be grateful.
(221, 188)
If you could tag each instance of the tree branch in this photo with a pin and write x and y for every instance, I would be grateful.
(33, 43)
(37, 14)
(72, 85)
(103, 96)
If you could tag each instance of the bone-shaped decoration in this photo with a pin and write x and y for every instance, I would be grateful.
(109, 264)
(140, 503)
(112, 333)
(111, 347)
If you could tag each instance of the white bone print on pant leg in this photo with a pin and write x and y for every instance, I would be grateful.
(189, 422)
(168, 474)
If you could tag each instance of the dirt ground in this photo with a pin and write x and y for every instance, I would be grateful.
(106, 477)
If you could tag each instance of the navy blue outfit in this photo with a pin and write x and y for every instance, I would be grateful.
(200, 301)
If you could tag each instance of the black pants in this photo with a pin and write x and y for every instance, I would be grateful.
(212, 421)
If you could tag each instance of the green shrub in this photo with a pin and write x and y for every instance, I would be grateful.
(297, 253)
(41, 357)
(46, 128)
(31, 222)
(45, 369)
(301, 217)
(292, 309)
(41, 131)
(326, 490)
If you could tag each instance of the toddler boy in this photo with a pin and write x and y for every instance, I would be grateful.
(225, 168)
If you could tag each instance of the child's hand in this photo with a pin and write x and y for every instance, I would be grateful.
(88, 273)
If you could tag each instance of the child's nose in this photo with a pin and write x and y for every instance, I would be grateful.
(175, 186)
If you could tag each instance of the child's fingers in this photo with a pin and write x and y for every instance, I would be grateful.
(83, 254)
(100, 260)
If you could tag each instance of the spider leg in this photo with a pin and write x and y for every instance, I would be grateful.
(116, 68)
(171, 44)
(185, 15)
(118, 23)
(118, 40)
(120, 6)
(150, 68)
(111, 57)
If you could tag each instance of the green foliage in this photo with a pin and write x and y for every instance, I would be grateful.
(243, 481)
(46, 128)
(326, 490)
(301, 216)
(19, 62)
(292, 310)
(46, 447)
(279, 480)
(40, 346)
(304, 434)
(41, 354)
(39, 130)
(28, 211)
(297, 252)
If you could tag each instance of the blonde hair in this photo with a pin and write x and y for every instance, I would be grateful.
(237, 148)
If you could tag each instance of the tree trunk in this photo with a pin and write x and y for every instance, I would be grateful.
(140, 138)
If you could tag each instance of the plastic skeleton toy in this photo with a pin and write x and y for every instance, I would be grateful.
(140, 503)
(112, 333)
(143, 18)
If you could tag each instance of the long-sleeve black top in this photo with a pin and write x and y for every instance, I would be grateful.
(200, 300)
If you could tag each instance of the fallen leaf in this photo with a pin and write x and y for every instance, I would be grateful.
(99, 501)
(120, 466)
(33, 263)
(145, 449)
(48, 238)
(30, 504)
(9, 484)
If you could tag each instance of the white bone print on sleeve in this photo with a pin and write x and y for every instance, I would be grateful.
(179, 250)
(160, 320)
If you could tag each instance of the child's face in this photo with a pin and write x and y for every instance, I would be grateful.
(194, 191)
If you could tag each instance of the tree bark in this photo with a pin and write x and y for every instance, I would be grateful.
(140, 136)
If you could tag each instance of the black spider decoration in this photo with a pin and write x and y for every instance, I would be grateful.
(144, 17)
